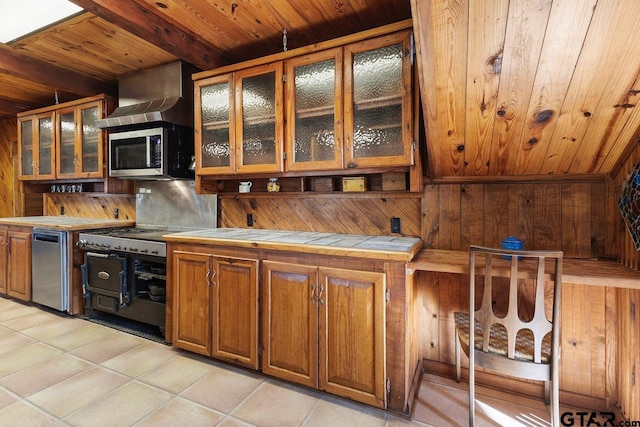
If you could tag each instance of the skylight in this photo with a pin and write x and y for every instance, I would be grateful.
(22, 17)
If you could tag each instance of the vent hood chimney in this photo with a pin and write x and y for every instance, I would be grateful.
(162, 94)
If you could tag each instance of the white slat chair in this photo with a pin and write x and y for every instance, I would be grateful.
(503, 341)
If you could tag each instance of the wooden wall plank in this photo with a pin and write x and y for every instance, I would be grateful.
(484, 59)
(576, 219)
(91, 205)
(471, 216)
(428, 312)
(354, 215)
(522, 46)
(520, 219)
(8, 136)
(442, 34)
(601, 139)
(495, 214)
(547, 216)
(430, 216)
(598, 218)
(449, 214)
(583, 93)
(611, 344)
(452, 299)
(555, 69)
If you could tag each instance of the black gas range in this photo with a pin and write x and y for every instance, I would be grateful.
(124, 273)
(137, 240)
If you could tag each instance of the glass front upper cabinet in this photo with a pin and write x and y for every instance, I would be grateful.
(36, 136)
(378, 104)
(215, 125)
(26, 136)
(79, 141)
(259, 123)
(314, 111)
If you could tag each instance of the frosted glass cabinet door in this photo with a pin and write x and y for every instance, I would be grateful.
(260, 123)
(67, 143)
(378, 104)
(79, 141)
(314, 111)
(215, 125)
(25, 136)
(90, 139)
(45, 154)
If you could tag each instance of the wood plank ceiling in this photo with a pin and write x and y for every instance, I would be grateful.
(528, 87)
(508, 87)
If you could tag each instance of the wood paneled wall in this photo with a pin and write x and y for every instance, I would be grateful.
(570, 216)
(629, 255)
(91, 205)
(627, 330)
(586, 378)
(360, 214)
(8, 135)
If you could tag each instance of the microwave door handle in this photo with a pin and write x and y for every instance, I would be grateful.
(149, 148)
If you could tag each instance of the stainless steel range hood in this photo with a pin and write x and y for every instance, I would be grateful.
(162, 94)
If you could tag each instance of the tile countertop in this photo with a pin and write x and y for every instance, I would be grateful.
(66, 223)
(361, 246)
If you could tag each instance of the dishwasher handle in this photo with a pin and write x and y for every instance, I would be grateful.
(42, 237)
(48, 236)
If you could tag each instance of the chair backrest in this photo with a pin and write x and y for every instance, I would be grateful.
(524, 278)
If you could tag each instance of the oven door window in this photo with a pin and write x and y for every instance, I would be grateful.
(133, 152)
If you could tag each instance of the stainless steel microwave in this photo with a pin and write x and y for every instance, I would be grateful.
(148, 153)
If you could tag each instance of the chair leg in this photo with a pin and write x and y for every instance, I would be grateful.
(555, 404)
(457, 353)
(472, 389)
(547, 392)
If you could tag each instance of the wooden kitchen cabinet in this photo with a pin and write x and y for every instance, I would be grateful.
(4, 258)
(235, 310)
(36, 148)
(343, 106)
(215, 125)
(15, 262)
(290, 322)
(79, 141)
(313, 95)
(378, 108)
(325, 328)
(215, 305)
(259, 124)
(192, 301)
(63, 141)
(239, 121)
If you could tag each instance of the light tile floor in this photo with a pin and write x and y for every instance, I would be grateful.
(57, 370)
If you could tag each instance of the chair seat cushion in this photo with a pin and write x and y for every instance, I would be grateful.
(498, 340)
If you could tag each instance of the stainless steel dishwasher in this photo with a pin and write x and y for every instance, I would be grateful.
(50, 268)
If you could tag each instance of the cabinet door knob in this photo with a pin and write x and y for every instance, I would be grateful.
(313, 294)
(320, 300)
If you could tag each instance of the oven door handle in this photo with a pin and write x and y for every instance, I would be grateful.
(97, 255)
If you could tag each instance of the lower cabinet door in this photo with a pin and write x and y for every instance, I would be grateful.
(4, 259)
(235, 311)
(19, 265)
(192, 302)
(290, 322)
(352, 334)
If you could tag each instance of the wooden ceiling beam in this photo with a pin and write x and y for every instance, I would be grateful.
(144, 23)
(10, 107)
(61, 79)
